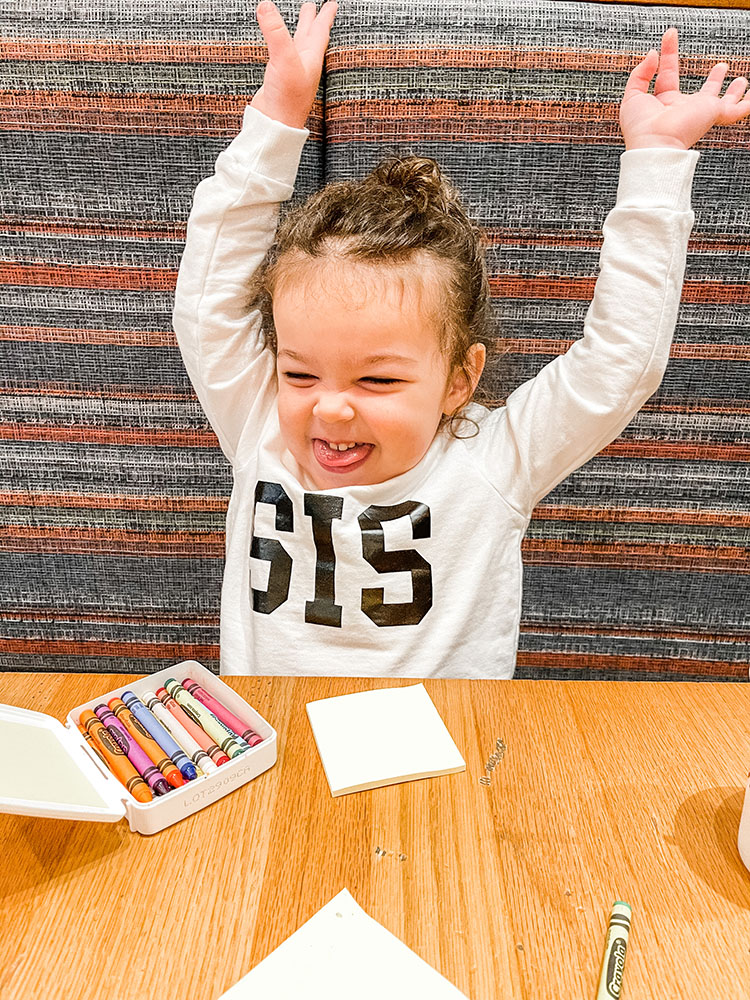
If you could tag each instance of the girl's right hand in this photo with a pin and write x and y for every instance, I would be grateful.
(294, 64)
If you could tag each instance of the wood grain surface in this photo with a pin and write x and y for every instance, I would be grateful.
(606, 791)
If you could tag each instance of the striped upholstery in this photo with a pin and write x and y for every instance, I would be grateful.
(114, 488)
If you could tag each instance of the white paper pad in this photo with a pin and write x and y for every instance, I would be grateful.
(379, 737)
(342, 954)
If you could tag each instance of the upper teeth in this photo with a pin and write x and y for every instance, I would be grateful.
(342, 447)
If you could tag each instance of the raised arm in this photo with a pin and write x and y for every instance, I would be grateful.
(581, 401)
(232, 223)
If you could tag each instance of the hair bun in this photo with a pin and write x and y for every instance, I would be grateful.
(419, 179)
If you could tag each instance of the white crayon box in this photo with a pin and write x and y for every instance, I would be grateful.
(743, 838)
(55, 773)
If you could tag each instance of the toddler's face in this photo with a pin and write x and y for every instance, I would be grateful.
(362, 382)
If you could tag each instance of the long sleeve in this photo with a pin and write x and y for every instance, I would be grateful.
(230, 228)
(582, 400)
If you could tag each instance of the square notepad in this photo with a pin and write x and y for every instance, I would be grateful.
(380, 737)
(342, 953)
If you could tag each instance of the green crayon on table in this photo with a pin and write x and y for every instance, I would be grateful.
(205, 719)
(615, 947)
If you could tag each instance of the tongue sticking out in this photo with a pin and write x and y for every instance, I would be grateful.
(331, 458)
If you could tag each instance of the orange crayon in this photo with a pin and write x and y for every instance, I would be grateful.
(90, 740)
(200, 736)
(115, 757)
(146, 742)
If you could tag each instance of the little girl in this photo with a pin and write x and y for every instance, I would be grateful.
(377, 514)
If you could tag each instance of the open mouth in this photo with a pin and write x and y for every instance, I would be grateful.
(340, 456)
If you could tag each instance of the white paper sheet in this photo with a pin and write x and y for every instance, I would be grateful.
(379, 737)
(342, 954)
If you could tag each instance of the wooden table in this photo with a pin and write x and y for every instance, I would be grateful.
(607, 791)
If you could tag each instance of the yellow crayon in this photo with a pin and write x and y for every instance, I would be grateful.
(205, 719)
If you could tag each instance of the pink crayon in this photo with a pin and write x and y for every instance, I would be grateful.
(137, 757)
(222, 713)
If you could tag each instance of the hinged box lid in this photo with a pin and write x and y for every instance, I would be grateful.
(47, 770)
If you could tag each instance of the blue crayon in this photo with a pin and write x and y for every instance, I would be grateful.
(165, 740)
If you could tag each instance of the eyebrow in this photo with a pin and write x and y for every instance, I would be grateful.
(373, 359)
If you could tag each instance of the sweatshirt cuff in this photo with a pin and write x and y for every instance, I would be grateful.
(268, 147)
(656, 178)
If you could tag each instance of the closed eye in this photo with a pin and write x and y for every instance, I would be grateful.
(299, 376)
(381, 381)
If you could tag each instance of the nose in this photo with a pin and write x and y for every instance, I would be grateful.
(333, 407)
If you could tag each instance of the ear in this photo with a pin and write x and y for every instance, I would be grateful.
(463, 381)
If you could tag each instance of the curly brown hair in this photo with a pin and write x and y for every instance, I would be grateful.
(404, 213)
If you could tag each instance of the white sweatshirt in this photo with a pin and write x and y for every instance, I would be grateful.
(419, 576)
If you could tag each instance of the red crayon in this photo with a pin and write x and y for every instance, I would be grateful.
(200, 736)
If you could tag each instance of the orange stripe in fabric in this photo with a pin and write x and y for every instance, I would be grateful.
(61, 614)
(72, 335)
(632, 631)
(141, 114)
(513, 58)
(508, 286)
(145, 650)
(103, 50)
(203, 545)
(643, 515)
(110, 435)
(618, 555)
(173, 51)
(644, 664)
(546, 346)
(446, 119)
(86, 276)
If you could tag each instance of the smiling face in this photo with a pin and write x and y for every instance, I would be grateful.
(363, 383)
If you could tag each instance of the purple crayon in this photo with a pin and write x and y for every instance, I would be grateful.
(223, 714)
(137, 757)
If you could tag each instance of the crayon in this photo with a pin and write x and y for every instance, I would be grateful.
(162, 736)
(172, 724)
(146, 742)
(137, 757)
(222, 713)
(615, 947)
(115, 756)
(89, 739)
(217, 721)
(200, 736)
(205, 719)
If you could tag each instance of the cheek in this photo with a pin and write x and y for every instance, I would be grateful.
(292, 412)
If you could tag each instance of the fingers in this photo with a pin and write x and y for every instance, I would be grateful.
(733, 105)
(306, 18)
(321, 28)
(641, 77)
(668, 78)
(715, 80)
(272, 26)
(735, 90)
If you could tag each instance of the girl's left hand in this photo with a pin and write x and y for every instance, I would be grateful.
(669, 118)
